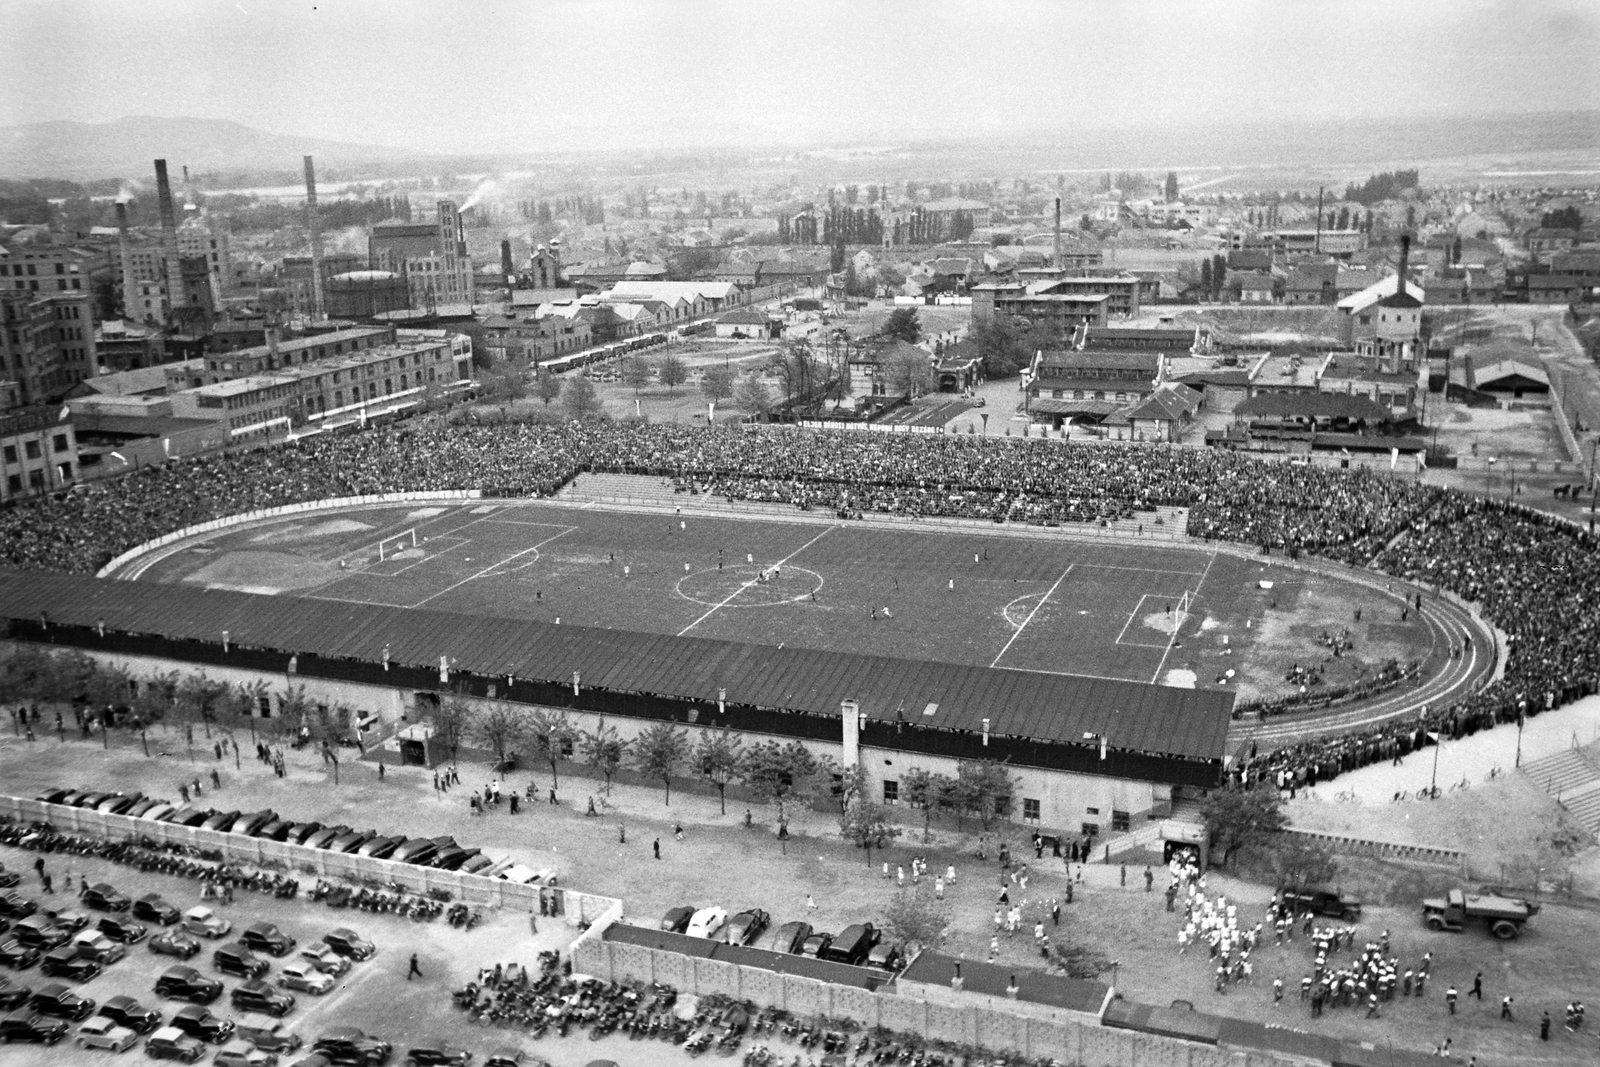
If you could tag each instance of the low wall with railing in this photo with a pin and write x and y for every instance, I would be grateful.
(577, 906)
(1386, 850)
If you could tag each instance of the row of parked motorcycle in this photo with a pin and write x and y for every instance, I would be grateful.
(551, 1001)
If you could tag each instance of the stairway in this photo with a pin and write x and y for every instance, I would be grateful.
(1573, 781)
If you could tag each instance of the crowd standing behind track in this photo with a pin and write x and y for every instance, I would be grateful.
(1536, 578)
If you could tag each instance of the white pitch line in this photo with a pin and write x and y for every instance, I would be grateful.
(492, 566)
(733, 595)
(1193, 596)
(1048, 594)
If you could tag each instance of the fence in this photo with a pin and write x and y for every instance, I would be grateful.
(238, 848)
(986, 1023)
(439, 495)
(1386, 850)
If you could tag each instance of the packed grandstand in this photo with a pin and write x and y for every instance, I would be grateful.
(1535, 577)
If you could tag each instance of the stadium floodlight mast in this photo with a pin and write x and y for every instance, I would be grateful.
(1090, 736)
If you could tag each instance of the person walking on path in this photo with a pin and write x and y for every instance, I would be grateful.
(1450, 997)
(1505, 1008)
(811, 903)
(1124, 876)
(1149, 880)
(380, 772)
(413, 971)
(656, 846)
(1477, 986)
(1544, 1027)
(48, 888)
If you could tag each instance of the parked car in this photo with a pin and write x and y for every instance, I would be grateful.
(350, 841)
(186, 983)
(236, 959)
(170, 1043)
(67, 962)
(238, 1053)
(14, 905)
(852, 944)
(152, 908)
(790, 937)
(346, 942)
(17, 956)
(324, 959)
(98, 947)
(266, 1033)
(204, 922)
(745, 927)
(379, 847)
(175, 943)
(266, 937)
(37, 931)
(121, 929)
(418, 850)
(676, 920)
(274, 830)
(103, 896)
(305, 975)
(12, 996)
(449, 859)
(707, 922)
(190, 817)
(157, 812)
(324, 836)
(1323, 902)
(101, 1032)
(887, 956)
(509, 1056)
(300, 831)
(56, 999)
(31, 1026)
(197, 1021)
(52, 796)
(89, 800)
(118, 804)
(816, 944)
(348, 1045)
(437, 1053)
(8, 878)
(69, 919)
(221, 821)
(256, 995)
(137, 810)
(125, 1011)
(248, 824)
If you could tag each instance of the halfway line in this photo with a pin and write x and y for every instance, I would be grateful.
(730, 597)
(1048, 594)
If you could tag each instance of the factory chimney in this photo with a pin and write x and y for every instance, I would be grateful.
(130, 290)
(507, 268)
(316, 241)
(1405, 254)
(1057, 262)
(176, 297)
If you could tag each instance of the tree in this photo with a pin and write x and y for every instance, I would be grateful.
(502, 728)
(1172, 186)
(552, 734)
(910, 372)
(658, 750)
(198, 697)
(752, 394)
(293, 709)
(1207, 287)
(546, 386)
(672, 372)
(1455, 250)
(718, 757)
(984, 789)
(636, 372)
(905, 324)
(922, 790)
(866, 824)
(602, 748)
(581, 399)
(152, 703)
(777, 774)
(1219, 275)
(452, 719)
(917, 918)
(717, 383)
(1297, 860)
(1238, 817)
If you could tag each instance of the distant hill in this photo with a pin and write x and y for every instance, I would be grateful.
(86, 151)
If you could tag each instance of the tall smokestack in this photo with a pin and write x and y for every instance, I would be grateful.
(1058, 234)
(176, 298)
(507, 268)
(316, 240)
(1405, 254)
(130, 290)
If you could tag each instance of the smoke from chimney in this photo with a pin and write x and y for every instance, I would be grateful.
(130, 291)
(176, 298)
(316, 240)
(1405, 254)
(1057, 263)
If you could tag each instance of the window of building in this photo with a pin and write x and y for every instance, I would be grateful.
(31, 449)
(1094, 811)
(566, 747)
(11, 453)
(14, 483)
(65, 470)
(61, 442)
(891, 792)
(36, 479)
(1030, 810)
(1089, 829)
(1119, 821)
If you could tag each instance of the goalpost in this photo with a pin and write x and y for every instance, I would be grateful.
(398, 543)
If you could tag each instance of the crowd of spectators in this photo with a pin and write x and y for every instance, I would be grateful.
(1535, 577)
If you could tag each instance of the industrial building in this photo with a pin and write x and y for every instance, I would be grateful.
(431, 256)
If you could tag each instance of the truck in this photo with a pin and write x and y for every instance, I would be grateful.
(1300, 899)
(1503, 916)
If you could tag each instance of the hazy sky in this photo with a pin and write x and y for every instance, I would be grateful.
(475, 76)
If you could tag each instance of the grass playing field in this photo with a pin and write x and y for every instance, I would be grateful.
(973, 597)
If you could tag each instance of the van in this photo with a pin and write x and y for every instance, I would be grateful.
(238, 960)
(852, 944)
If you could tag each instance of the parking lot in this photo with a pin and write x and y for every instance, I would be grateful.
(374, 995)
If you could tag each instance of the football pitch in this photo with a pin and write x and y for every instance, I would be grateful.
(1149, 613)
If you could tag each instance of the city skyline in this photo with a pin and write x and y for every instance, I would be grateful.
(515, 77)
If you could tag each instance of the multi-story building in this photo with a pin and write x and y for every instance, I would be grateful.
(359, 384)
(50, 268)
(294, 277)
(283, 355)
(46, 342)
(198, 239)
(432, 257)
(1122, 289)
(38, 453)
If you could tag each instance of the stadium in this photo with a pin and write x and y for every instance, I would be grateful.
(1088, 616)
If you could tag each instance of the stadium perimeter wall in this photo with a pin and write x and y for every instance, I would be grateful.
(1029, 1029)
(575, 905)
